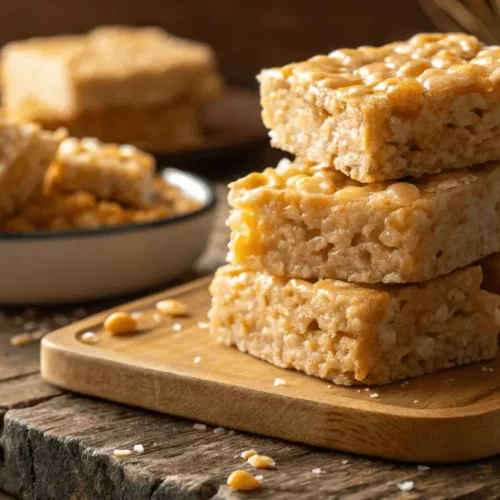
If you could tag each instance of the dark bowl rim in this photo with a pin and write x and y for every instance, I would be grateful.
(13, 236)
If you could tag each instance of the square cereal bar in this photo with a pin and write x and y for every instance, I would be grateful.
(431, 103)
(356, 334)
(108, 171)
(307, 221)
(26, 152)
(62, 78)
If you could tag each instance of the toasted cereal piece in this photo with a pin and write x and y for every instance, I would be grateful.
(424, 105)
(303, 220)
(356, 334)
(109, 171)
(120, 323)
(243, 481)
(25, 154)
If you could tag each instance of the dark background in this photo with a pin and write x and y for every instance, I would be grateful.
(247, 34)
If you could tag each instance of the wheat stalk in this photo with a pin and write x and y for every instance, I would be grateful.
(479, 17)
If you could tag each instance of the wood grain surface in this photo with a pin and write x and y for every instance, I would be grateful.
(57, 445)
(451, 416)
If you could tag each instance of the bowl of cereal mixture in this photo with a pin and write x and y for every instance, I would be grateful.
(99, 223)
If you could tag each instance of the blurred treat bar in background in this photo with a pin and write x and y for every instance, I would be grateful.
(117, 83)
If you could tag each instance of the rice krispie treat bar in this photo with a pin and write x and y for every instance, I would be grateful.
(26, 152)
(307, 221)
(431, 103)
(354, 334)
(108, 171)
(113, 74)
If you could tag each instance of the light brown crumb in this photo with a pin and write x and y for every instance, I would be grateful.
(136, 315)
(203, 325)
(122, 453)
(423, 468)
(279, 381)
(245, 455)
(345, 462)
(172, 307)
(243, 481)
(219, 430)
(261, 462)
(415, 401)
(139, 449)
(374, 395)
(260, 477)
(200, 427)
(20, 339)
(157, 317)
(176, 327)
(120, 323)
(89, 338)
(329, 386)
(197, 360)
(318, 470)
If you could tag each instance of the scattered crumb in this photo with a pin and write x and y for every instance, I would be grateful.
(20, 339)
(484, 369)
(136, 314)
(89, 338)
(405, 383)
(261, 462)
(260, 477)
(232, 432)
(197, 360)
(29, 326)
(329, 386)
(18, 320)
(415, 401)
(406, 485)
(122, 453)
(243, 481)
(139, 449)
(318, 470)
(359, 390)
(157, 317)
(245, 455)
(176, 327)
(203, 325)
(79, 312)
(172, 307)
(120, 323)
(200, 427)
(374, 395)
(279, 381)
(367, 389)
(219, 430)
(423, 468)
(345, 462)
(491, 369)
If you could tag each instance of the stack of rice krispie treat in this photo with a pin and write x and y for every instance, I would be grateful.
(355, 261)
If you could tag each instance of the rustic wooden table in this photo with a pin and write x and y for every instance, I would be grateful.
(57, 445)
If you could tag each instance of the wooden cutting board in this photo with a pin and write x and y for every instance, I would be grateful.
(452, 416)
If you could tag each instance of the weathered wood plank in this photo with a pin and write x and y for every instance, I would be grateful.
(64, 447)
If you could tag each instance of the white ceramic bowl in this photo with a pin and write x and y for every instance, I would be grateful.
(88, 264)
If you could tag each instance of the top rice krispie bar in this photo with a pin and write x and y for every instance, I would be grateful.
(59, 78)
(428, 104)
